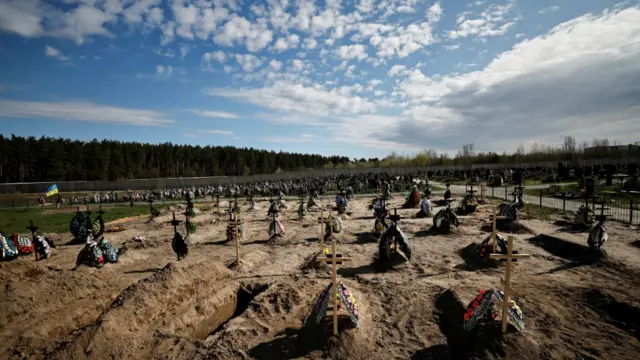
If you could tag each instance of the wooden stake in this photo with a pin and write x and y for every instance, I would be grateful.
(507, 279)
(334, 278)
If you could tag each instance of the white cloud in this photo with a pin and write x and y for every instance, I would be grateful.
(55, 53)
(165, 52)
(546, 85)
(397, 70)
(553, 8)
(275, 65)
(81, 111)
(256, 36)
(284, 96)
(285, 43)
(310, 43)
(184, 50)
(350, 52)
(434, 13)
(365, 6)
(214, 114)
(198, 133)
(492, 22)
(452, 47)
(403, 41)
(163, 72)
(249, 62)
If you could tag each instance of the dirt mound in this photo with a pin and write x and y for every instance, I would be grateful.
(64, 301)
(187, 302)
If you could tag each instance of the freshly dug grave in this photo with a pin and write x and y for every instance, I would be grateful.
(198, 308)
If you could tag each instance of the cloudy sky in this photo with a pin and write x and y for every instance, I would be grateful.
(359, 78)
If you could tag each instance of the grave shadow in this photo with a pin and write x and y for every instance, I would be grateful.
(571, 251)
(435, 352)
(255, 242)
(364, 238)
(636, 243)
(220, 242)
(425, 233)
(298, 343)
(284, 347)
(354, 271)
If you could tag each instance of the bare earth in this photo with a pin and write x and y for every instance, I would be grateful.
(151, 306)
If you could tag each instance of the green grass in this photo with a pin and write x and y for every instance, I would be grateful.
(17, 220)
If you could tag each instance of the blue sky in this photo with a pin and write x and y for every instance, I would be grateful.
(357, 78)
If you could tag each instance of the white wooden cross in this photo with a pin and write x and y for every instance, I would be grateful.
(335, 259)
(506, 287)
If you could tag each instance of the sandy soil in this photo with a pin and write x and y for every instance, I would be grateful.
(149, 305)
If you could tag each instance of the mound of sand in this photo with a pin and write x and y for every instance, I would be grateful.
(187, 302)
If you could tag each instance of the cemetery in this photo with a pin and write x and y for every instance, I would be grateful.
(360, 277)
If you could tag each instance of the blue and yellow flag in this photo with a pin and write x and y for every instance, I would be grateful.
(53, 189)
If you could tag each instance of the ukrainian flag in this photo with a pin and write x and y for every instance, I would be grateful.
(53, 189)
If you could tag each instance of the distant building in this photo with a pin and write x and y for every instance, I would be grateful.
(613, 148)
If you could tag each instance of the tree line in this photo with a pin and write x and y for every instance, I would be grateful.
(54, 159)
(569, 150)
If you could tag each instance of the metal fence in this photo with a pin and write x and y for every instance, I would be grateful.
(623, 210)
(148, 184)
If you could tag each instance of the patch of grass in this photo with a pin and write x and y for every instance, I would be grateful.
(542, 213)
(17, 220)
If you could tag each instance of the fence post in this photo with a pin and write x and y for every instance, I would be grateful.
(630, 211)
(13, 204)
(505, 193)
(586, 199)
(564, 203)
(540, 197)
(27, 203)
(492, 191)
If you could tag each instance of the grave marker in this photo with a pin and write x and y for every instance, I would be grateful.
(494, 218)
(237, 242)
(506, 283)
(334, 259)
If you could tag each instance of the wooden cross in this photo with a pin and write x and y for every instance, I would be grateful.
(335, 259)
(33, 228)
(218, 202)
(494, 218)
(506, 287)
(100, 212)
(235, 223)
(483, 191)
(322, 220)
(175, 223)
